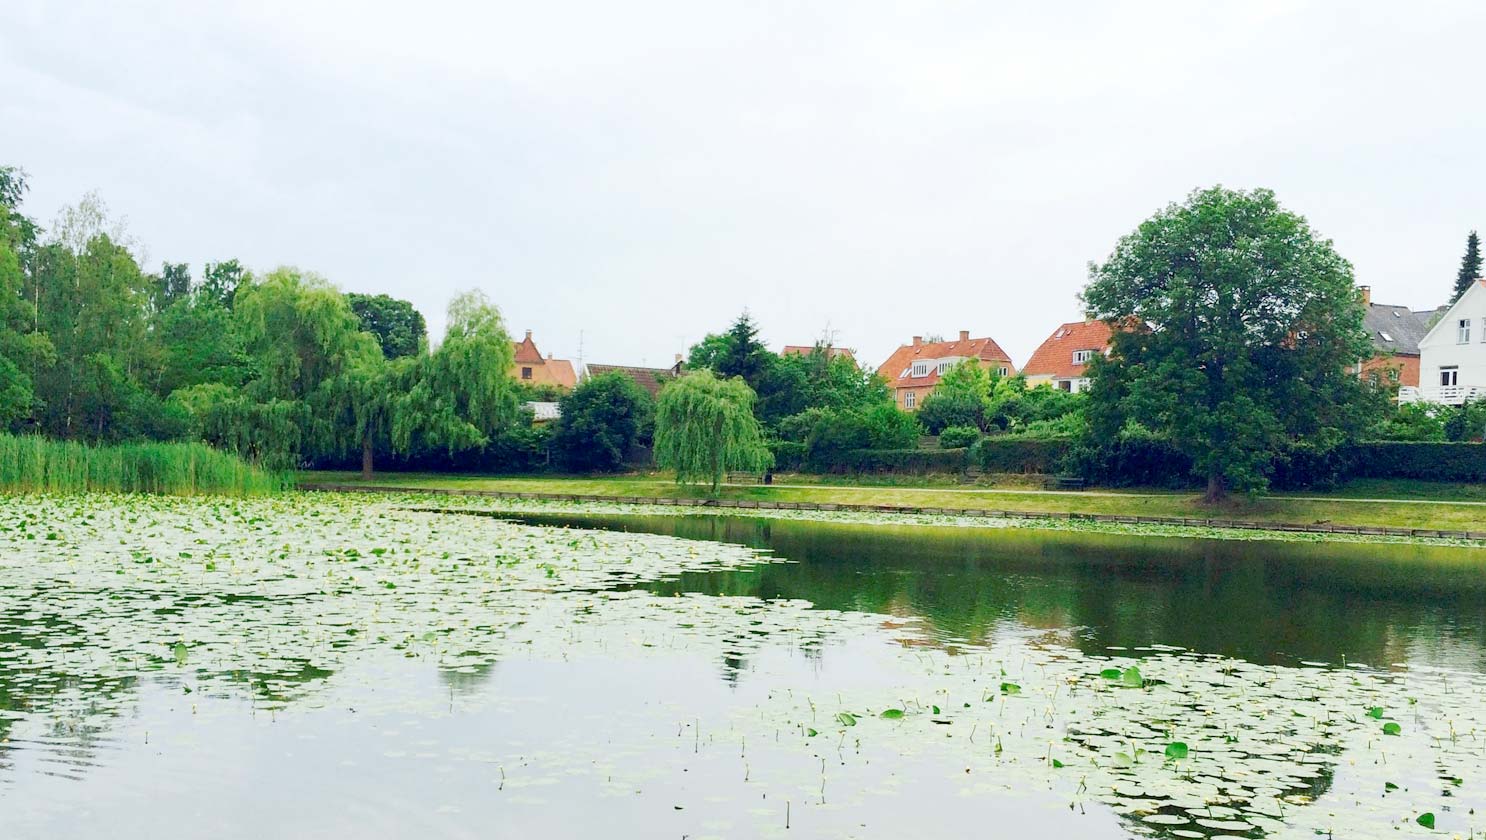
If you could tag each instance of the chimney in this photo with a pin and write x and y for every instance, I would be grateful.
(918, 341)
(1366, 295)
(528, 335)
(964, 335)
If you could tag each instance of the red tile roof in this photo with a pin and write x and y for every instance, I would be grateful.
(898, 366)
(807, 349)
(1055, 356)
(526, 350)
(651, 379)
(562, 372)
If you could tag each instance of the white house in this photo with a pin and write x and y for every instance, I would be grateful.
(1452, 355)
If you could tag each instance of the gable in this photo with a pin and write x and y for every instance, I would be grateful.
(1471, 305)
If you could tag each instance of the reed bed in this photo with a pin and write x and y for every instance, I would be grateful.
(32, 464)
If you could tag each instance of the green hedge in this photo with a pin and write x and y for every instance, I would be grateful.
(788, 454)
(1021, 455)
(1418, 460)
(912, 461)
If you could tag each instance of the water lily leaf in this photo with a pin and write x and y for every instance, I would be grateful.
(891, 714)
(179, 649)
(846, 718)
(1010, 688)
(1426, 819)
(1376, 713)
(1176, 750)
(1111, 673)
(1131, 678)
(1391, 728)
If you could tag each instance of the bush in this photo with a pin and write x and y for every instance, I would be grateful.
(1007, 454)
(911, 461)
(788, 454)
(602, 421)
(1422, 461)
(947, 409)
(1130, 460)
(958, 437)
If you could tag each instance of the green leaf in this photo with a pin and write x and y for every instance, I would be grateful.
(1010, 688)
(846, 718)
(811, 733)
(935, 708)
(1057, 765)
(1111, 673)
(1376, 713)
(179, 649)
(1176, 750)
(1391, 728)
(1388, 786)
(891, 714)
(1131, 678)
(1426, 819)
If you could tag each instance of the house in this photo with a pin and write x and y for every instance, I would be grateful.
(530, 367)
(831, 352)
(1452, 355)
(1395, 332)
(1062, 361)
(913, 370)
(651, 379)
(543, 412)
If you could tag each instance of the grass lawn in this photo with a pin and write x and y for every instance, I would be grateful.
(1408, 505)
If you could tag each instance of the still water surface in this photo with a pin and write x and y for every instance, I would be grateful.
(706, 703)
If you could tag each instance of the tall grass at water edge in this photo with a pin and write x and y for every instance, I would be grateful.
(31, 464)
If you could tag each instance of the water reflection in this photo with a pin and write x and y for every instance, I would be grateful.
(1266, 602)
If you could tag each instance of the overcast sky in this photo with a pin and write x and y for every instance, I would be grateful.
(639, 172)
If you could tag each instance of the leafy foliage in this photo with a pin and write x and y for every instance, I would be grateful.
(1470, 265)
(958, 437)
(704, 427)
(398, 327)
(1238, 326)
(602, 420)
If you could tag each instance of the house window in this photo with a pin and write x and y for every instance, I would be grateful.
(1065, 384)
(1449, 377)
(526, 373)
(1386, 337)
(908, 399)
(1464, 331)
(920, 368)
(945, 366)
(1003, 371)
(1082, 357)
(1393, 375)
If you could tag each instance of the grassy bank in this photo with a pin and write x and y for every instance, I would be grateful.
(1340, 509)
(38, 465)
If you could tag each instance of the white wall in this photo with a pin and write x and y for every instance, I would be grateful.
(1442, 348)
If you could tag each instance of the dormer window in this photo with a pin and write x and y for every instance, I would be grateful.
(945, 366)
(920, 368)
(1082, 357)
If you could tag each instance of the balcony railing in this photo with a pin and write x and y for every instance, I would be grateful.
(1444, 394)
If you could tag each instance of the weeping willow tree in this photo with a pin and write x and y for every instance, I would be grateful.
(704, 426)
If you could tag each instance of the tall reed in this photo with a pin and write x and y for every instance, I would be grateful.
(31, 464)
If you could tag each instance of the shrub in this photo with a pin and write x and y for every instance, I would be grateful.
(958, 437)
(602, 420)
(38, 465)
(1422, 461)
(788, 454)
(947, 409)
(912, 461)
(1008, 454)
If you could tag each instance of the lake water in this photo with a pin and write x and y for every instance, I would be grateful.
(317, 666)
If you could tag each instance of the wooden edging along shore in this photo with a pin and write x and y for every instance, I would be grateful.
(749, 504)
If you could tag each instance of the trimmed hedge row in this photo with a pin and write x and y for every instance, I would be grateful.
(1154, 463)
(911, 461)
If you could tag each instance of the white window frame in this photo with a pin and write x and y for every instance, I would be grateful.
(1449, 377)
(1386, 337)
(945, 366)
(1463, 331)
(1003, 371)
(920, 369)
(1082, 357)
(909, 398)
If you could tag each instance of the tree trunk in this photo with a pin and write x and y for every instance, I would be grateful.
(366, 457)
(1217, 489)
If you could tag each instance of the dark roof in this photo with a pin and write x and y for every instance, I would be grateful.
(648, 378)
(1395, 329)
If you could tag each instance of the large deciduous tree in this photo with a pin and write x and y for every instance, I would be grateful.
(1237, 332)
(398, 326)
(601, 421)
(704, 427)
